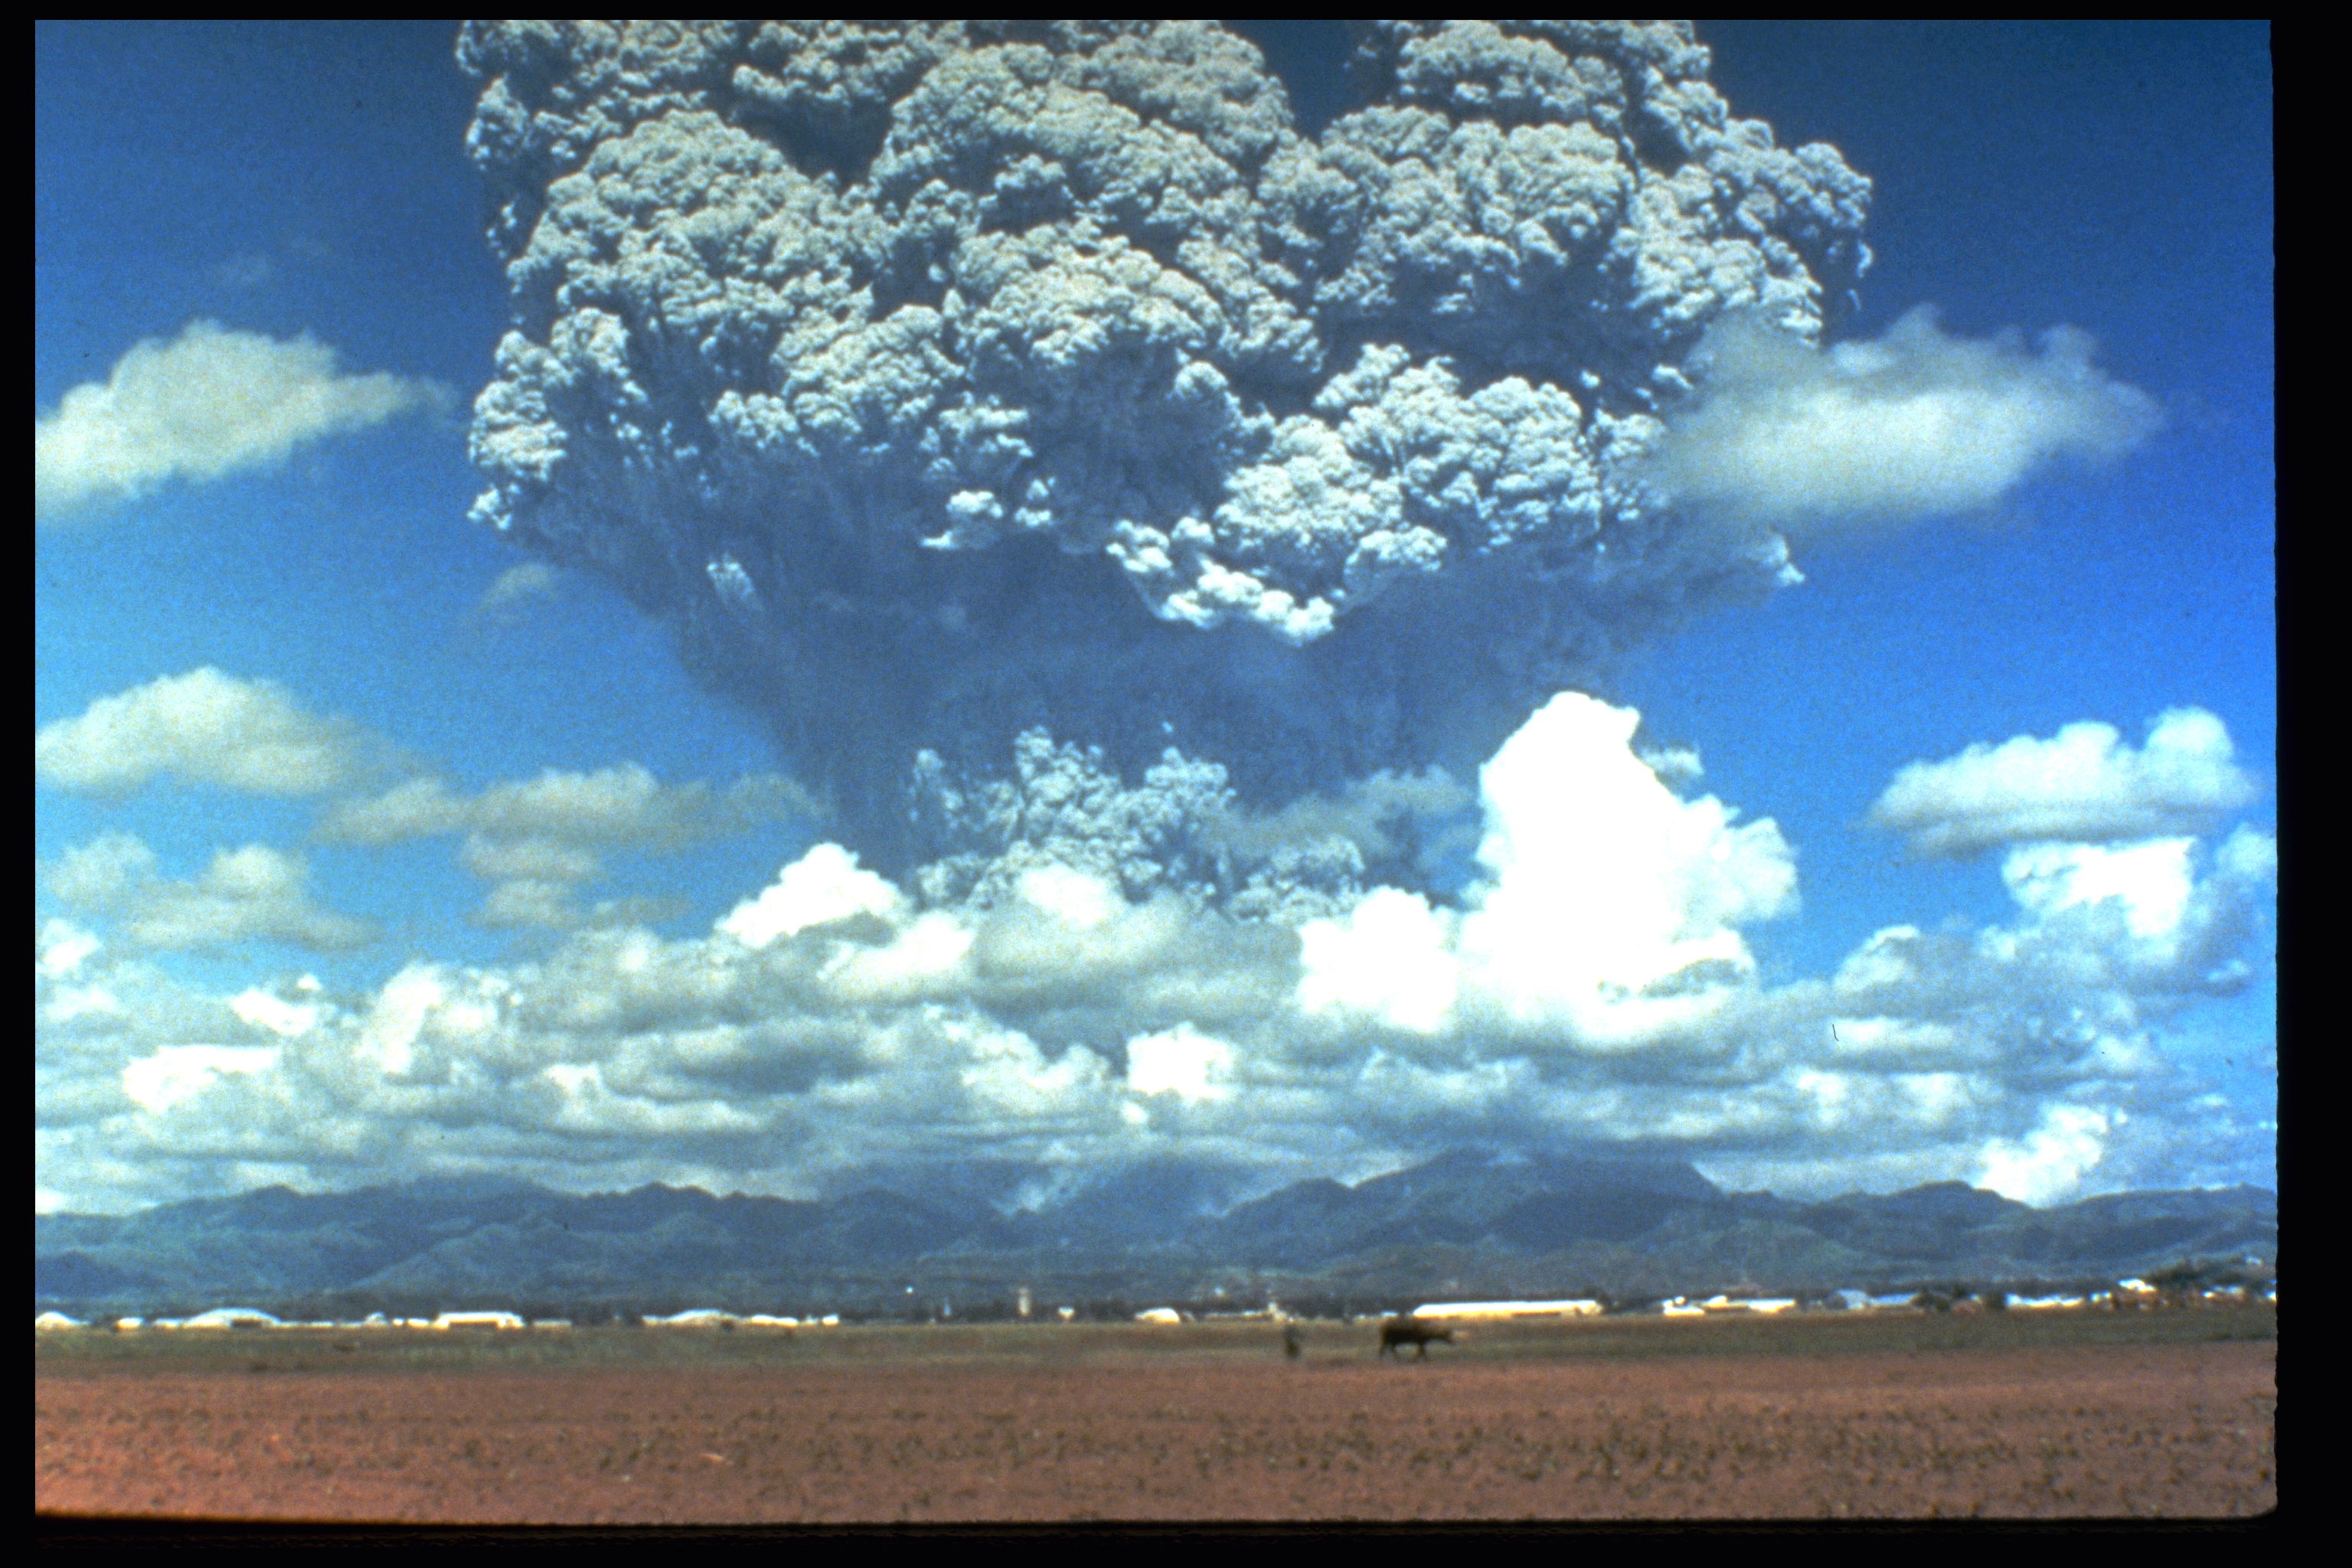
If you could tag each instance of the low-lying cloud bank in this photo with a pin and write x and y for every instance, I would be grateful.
(1052, 1012)
(210, 403)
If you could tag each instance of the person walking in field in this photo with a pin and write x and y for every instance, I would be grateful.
(1407, 1330)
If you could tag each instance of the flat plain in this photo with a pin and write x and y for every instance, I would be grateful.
(2015, 1414)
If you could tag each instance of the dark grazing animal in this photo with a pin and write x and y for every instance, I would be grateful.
(1405, 1330)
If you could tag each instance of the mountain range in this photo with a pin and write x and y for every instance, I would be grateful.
(1468, 1223)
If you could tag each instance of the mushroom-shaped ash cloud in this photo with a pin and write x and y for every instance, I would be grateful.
(951, 382)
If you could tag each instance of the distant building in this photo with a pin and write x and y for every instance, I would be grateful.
(1159, 1315)
(1576, 1309)
(233, 1318)
(476, 1321)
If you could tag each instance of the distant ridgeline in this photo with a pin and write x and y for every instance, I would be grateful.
(1466, 1224)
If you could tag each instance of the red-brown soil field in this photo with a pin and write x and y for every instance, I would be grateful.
(886, 1425)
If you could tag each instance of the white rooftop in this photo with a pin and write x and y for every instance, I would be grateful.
(1578, 1308)
(230, 1317)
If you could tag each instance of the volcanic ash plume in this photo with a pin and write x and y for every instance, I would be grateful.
(953, 384)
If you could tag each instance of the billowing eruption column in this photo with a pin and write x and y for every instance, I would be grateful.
(950, 382)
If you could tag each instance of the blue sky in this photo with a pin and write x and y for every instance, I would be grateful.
(283, 180)
(350, 575)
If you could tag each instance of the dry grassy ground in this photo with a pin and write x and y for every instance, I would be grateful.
(2025, 1415)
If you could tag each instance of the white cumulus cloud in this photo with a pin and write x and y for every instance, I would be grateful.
(205, 727)
(1390, 956)
(60, 947)
(1595, 860)
(270, 1011)
(209, 402)
(1914, 424)
(255, 891)
(2150, 883)
(1182, 1061)
(178, 1073)
(2049, 1163)
(1610, 903)
(823, 886)
(2080, 785)
(1593, 985)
